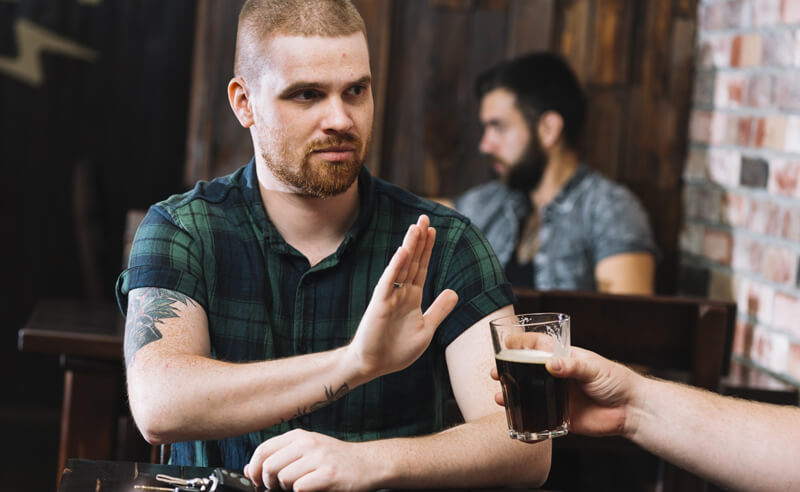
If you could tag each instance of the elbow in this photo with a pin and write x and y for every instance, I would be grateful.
(153, 426)
(152, 438)
(154, 417)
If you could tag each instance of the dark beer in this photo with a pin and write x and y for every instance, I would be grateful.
(536, 402)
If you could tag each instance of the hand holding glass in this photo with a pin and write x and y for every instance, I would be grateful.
(536, 402)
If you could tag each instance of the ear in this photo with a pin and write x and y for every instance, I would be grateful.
(239, 99)
(550, 128)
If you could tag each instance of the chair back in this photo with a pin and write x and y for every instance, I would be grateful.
(686, 339)
(689, 335)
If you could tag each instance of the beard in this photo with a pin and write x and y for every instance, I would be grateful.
(527, 172)
(312, 176)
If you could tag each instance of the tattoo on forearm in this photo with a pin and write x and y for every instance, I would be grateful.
(146, 310)
(330, 397)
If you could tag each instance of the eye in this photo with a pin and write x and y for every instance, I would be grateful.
(306, 95)
(357, 90)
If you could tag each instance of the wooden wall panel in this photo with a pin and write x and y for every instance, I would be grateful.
(431, 127)
(605, 129)
(532, 26)
(612, 28)
(635, 59)
(377, 17)
(91, 125)
(216, 144)
(576, 34)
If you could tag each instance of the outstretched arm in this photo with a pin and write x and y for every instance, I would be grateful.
(478, 453)
(738, 444)
(169, 369)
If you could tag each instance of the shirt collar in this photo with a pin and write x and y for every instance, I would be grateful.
(252, 193)
(566, 196)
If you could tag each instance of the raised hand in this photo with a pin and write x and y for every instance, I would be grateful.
(394, 332)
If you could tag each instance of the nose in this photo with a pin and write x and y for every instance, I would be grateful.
(487, 143)
(337, 117)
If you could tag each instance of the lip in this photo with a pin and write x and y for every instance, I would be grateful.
(336, 154)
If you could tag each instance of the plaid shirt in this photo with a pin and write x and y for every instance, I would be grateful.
(217, 245)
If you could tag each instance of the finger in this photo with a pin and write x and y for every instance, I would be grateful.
(262, 452)
(498, 398)
(418, 248)
(391, 273)
(314, 480)
(441, 307)
(582, 370)
(410, 244)
(539, 341)
(494, 375)
(513, 341)
(529, 340)
(292, 473)
(425, 259)
(275, 465)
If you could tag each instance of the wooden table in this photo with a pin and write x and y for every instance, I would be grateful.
(122, 476)
(88, 336)
(119, 476)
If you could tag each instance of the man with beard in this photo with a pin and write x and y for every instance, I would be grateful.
(553, 222)
(288, 320)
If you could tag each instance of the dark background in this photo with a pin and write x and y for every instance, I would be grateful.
(93, 140)
(148, 115)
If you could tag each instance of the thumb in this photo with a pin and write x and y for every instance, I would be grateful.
(441, 307)
(580, 370)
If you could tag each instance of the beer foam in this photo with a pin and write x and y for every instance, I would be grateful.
(528, 356)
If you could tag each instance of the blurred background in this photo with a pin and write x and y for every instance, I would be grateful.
(107, 106)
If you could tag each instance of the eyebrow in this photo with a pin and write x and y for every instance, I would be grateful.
(300, 85)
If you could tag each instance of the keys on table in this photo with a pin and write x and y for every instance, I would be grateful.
(220, 480)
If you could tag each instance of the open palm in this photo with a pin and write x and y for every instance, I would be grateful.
(394, 332)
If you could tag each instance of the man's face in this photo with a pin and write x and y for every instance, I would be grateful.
(517, 156)
(312, 111)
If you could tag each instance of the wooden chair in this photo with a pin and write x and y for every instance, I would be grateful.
(686, 339)
(88, 336)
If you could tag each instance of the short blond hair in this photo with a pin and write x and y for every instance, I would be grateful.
(261, 19)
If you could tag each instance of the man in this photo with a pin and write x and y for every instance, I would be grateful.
(264, 327)
(553, 222)
(737, 444)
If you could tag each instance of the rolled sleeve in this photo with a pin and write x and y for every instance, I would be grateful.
(619, 224)
(163, 255)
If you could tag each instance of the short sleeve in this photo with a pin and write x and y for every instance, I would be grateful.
(619, 224)
(473, 272)
(163, 255)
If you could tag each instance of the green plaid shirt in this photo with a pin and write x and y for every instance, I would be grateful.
(217, 245)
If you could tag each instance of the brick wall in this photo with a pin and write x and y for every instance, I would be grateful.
(741, 235)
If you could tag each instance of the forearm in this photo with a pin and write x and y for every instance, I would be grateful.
(183, 397)
(471, 455)
(738, 444)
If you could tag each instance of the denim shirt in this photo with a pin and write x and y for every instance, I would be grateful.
(591, 218)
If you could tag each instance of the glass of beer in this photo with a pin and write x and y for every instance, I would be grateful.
(536, 402)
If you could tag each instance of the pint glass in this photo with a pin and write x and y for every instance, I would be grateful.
(536, 402)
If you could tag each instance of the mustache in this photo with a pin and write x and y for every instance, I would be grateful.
(334, 141)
